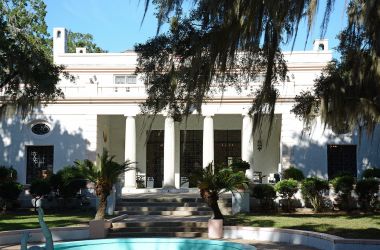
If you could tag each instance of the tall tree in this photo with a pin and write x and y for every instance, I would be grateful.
(347, 94)
(76, 39)
(27, 73)
(210, 42)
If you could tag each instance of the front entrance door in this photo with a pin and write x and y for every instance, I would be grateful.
(39, 162)
(155, 157)
(341, 159)
(191, 152)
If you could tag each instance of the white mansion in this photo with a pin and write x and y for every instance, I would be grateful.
(101, 109)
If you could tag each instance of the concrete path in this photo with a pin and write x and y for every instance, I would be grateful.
(258, 245)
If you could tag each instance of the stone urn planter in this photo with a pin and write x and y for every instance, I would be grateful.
(215, 228)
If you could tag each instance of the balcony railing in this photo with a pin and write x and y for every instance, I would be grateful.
(88, 90)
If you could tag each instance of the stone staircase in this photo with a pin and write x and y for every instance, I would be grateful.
(164, 215)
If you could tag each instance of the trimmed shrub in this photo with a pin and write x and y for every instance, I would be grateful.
(7, 174)
(9, 188)
(9, 192)
(68, 181)
(287, 189)
(343, 186)
(38, 189)
(292, 173)
(371, 173)
(313, 189)
(266, 194)
(367, 190)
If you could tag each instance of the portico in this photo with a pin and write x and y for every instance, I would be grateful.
(164, 150)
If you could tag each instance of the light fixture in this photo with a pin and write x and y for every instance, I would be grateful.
(259, 144)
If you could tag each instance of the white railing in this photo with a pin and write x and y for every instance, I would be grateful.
(111, 90)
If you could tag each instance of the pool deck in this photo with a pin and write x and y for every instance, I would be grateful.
(258, 245)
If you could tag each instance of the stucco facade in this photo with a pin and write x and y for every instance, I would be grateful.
(101, 109)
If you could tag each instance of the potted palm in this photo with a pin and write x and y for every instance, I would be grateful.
(104, 175)
(213, 181)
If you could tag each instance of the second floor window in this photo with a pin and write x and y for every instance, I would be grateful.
(125, 79)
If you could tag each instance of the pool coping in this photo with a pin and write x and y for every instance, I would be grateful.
(317, 240)
(299, 237)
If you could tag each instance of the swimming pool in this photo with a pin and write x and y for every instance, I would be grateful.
(151, 244)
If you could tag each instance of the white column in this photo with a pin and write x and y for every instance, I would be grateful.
(169, 153)
(130, 150)
(247, 143)
(208, 141)
(177, 162)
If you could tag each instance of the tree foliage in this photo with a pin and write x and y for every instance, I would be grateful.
(347, 94)
(76, 39)
(213, 181)
(207, 45)
(218, 44)
(104, 174)
(27, 73)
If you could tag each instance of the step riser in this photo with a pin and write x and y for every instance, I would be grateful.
(153, 224)
(159, 229)
(167, 213)
(166, 199)
(182, 224)
(160, 208)
(159, 234)
(167, 204)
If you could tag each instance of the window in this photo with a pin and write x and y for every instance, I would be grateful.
(155, 157)
(227, 146)
(125, 79)
(341, 159)
(40, 128)
(39, 162)
(191, 153)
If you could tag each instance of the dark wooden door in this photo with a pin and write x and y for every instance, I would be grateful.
(341, 159)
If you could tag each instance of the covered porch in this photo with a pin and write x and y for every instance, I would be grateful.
(166, 152)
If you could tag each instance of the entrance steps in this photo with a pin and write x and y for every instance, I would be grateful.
(164, 215)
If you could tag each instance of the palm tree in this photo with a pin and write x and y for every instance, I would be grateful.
(213, 181)
(104, 175)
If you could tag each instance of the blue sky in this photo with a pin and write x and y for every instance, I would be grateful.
(116, 27)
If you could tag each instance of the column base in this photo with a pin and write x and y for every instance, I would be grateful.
(130, 190)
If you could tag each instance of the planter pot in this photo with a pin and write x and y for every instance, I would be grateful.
(240, 202)
(215, 228)
(99, 228)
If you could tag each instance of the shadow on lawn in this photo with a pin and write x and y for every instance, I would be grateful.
(241, 220)
(256, 220)
(368, 233)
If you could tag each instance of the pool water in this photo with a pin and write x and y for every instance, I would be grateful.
(151, 244)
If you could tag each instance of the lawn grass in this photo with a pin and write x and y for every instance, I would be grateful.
(29, 219)
(344, 225)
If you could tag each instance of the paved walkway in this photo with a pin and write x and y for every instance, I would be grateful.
(258, 245)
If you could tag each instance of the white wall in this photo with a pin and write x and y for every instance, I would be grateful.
(73, 137)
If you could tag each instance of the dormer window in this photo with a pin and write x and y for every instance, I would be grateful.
(125, 79)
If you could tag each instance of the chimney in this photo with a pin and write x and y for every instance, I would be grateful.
(81, 50)
(59, 41)
(321, 45)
